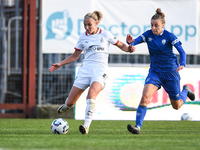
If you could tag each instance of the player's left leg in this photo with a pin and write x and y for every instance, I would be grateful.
(74, 94)
(79, 86)
(172, 87)
(186, 92)
(190, 94)
(94, 90)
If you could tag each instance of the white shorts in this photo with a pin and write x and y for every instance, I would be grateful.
(85, 82)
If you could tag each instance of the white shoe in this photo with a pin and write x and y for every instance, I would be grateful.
(63, 108)
(83, 129)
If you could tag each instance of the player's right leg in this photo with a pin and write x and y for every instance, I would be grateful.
(94, 90)
(149, 90)
(74, 94)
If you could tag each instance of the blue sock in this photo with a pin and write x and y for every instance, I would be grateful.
(183, 95)
(141, 112)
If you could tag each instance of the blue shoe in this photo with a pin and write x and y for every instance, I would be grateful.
(190, 94)
(133, 129)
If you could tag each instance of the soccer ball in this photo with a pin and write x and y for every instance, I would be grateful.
(186, 116)
(59, 126)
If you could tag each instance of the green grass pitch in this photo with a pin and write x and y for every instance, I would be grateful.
(34, 134)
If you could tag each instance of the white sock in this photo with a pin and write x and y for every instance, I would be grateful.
(89, 112)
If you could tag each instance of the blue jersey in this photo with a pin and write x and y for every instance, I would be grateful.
(161, 50)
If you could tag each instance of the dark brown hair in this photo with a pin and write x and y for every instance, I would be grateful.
(159, 15)
(96, 15)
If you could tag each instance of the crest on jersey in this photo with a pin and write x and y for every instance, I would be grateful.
(163, 41)
(105, 76)
(102, 40)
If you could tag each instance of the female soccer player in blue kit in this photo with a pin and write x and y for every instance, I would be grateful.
(164, 68)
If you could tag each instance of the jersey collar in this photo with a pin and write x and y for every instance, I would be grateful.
(162, 32)
(98, 32)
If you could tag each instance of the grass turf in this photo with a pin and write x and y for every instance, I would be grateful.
(107, 135)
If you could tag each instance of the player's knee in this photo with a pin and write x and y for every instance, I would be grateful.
(176, 104)
(145, 100)
(176, 107)
(91, 95)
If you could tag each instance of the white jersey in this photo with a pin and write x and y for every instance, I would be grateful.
(96, 51)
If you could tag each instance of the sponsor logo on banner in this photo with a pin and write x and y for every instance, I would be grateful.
(59, 25)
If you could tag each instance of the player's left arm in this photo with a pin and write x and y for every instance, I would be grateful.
(124, 47)
(182, 55)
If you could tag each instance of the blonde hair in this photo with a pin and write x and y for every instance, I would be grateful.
(96, 16)
(159, 15)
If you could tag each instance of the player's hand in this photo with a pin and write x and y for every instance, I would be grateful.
(131, 48)
(54, 67)
(129, 38)
(180, 68)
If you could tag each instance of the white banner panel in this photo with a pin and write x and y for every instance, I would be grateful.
(62, 21)
(121, 96)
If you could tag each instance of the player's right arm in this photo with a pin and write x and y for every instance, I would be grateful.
(129, 39)
(68, 60)
(138, 40)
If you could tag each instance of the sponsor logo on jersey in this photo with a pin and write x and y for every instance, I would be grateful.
(95, 48)
(150, 39)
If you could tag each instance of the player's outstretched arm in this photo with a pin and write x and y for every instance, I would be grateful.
(129, 39)
(68, 60)
(54, 67)
(126, 48)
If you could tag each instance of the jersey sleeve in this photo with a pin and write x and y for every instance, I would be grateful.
(177, 44)
(174, 40)
(111, 38)
(182, 54)
(79, 45)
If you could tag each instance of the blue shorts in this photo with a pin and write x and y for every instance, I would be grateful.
(170, 81)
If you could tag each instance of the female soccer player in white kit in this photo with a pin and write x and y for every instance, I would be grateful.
(95, 43)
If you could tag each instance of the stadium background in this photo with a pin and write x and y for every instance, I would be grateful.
(26, 83)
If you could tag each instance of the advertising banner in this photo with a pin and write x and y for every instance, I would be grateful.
(121, 96)
(62, 22)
